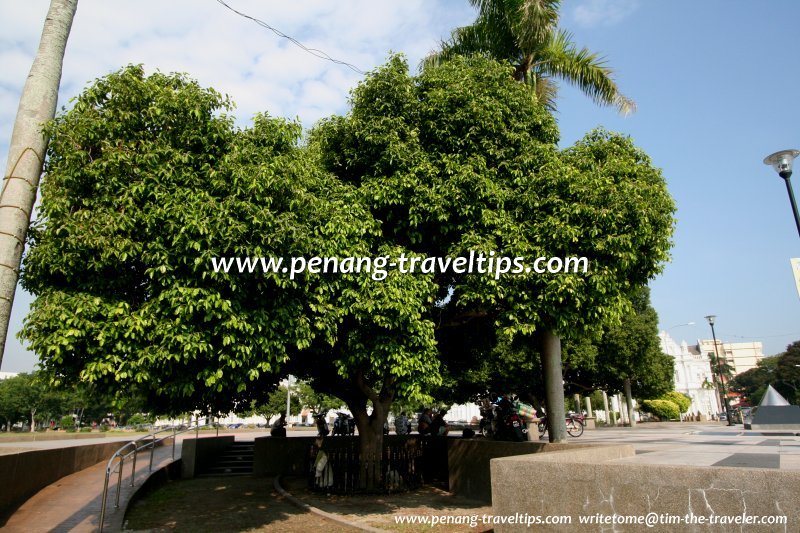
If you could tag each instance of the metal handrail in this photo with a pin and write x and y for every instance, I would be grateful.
(134, 448)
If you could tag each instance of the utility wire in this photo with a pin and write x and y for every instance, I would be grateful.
(313, 51)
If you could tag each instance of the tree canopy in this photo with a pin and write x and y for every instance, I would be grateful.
(148, 181)
(631, 350)
(780, 371)
(460, 159)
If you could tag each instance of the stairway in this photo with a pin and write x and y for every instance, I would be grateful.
(235, 460)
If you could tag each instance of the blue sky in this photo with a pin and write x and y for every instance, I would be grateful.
(715, 83)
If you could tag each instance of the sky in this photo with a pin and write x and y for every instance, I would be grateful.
(715, 83)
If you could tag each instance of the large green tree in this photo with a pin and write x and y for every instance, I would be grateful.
(147, 184)
(525, 33)
(459, 159)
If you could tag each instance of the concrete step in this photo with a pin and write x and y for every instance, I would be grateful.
(236, 460)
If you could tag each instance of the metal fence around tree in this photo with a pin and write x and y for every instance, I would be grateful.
(406, 463)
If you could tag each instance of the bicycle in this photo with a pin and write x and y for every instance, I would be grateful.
(574, 423)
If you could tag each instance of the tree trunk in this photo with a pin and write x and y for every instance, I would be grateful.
(629, 402)
(370, 440)
(26, 151)
(33, 420)
(554, 386)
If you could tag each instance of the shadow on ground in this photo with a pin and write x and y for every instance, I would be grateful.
(251, 504)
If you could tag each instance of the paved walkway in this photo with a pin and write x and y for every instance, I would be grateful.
(72, 504)
(703, 444)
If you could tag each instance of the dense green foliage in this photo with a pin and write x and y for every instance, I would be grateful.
(460, 159)
(148, 180)
(781, 371)
(663, 409)
(631, 350)
(275, 404)
(681, 400)
(29, 397)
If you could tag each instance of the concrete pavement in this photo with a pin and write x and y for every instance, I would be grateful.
(703, 444)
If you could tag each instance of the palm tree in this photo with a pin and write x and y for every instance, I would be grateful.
(525, 33)
(37, 106)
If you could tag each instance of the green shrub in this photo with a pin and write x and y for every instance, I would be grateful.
(663, 409)
(139, 419)
(67, 423)
(681, 400)
(86, 430)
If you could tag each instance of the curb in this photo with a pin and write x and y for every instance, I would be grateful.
(330, 516)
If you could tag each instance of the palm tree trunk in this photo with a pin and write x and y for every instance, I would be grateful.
(26, 152)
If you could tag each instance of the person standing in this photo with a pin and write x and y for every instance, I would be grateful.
(401, 424)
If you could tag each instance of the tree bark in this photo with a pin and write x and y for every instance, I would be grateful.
(629, 402)
(26, 152)
(370, 440)
(554, 386)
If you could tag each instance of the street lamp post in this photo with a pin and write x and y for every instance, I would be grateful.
(782, 163)
(722, 389)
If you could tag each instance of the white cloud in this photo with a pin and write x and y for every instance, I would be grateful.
(593, 13)
(258, 69)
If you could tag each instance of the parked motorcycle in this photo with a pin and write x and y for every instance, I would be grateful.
(486, 424)
(502, 421)
(344, 424)
(322, 425)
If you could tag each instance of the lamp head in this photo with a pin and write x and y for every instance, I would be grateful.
(782, 162)
(711, 319)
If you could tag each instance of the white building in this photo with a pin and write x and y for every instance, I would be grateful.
(740, 356)
(693, 375)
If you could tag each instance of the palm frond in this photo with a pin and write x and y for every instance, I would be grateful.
(582, 68)
(546, 91)
(489, 35)
(533, 22)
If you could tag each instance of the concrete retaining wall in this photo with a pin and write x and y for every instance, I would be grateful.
(590, 481)
(468, 462)
(24, 474)
(197, 452)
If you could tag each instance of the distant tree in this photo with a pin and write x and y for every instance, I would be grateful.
(787, 373)
(275, 404)
(525, 33)
(34, 399)
(780, 371)
(630, 357)
(12, 408)
(317, 402)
